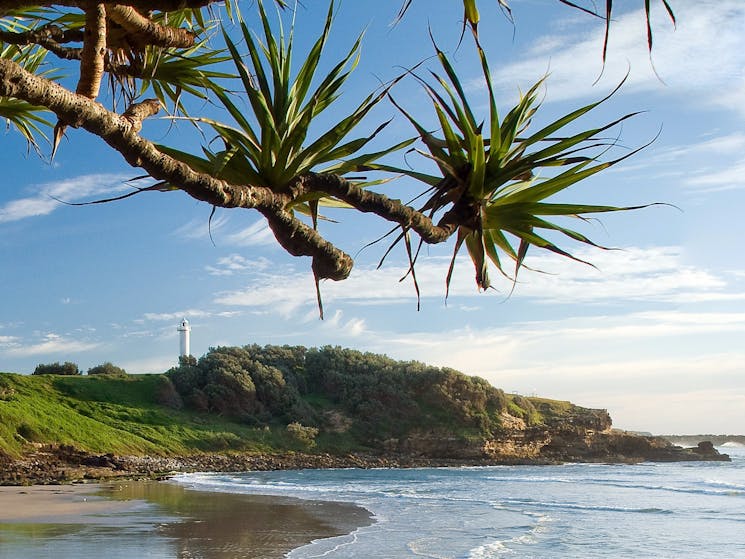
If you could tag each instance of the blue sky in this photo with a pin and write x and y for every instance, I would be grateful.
(655, 333)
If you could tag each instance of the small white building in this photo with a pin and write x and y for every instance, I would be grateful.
(184, 329)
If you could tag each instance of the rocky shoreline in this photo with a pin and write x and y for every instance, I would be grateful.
(57, 464)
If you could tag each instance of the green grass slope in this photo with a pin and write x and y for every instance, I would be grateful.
(113, 414)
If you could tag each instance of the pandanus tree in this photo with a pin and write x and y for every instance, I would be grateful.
(495, 175)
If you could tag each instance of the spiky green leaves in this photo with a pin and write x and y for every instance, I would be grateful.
(21, 115)
(472, 17)
(497, 177)
(271, 145)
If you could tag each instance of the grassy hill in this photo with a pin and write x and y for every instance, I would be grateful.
(261, 399)
(118, 415)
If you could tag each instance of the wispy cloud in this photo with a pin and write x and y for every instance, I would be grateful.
(235, 263)
(712, 164)
(45, 197)
(217, 229)
(256, 234)
(658, 274)
(187, 313)
(702, 59)
(581, 348)
(201, 228)
(49, 344)
(729, 177)
(349, 327)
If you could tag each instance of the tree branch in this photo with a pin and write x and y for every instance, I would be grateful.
(300, 240)
(144, 5)
(41, 34)
(382, 206)
(119, 132)
(147, 32)
(140, 111)
(94, 51)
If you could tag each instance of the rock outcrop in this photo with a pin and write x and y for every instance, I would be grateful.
(579, 435)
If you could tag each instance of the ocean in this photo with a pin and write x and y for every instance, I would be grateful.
(670, 510)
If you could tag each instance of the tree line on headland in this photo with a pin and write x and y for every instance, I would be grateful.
(378, 396)
(341, 397)
(270, 407)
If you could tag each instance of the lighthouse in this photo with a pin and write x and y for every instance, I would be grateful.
(184, 329)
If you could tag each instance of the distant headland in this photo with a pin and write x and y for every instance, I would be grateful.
(716, 440)
(278, 407)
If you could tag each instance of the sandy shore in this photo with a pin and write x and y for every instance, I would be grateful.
(131, 519)
(55, 504)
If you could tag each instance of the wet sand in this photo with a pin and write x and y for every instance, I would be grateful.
(162, 520)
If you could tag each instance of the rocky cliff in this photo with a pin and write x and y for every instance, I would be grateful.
(588, 438)
(585, 435)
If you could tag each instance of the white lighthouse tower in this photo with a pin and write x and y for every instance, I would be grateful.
(184, 330)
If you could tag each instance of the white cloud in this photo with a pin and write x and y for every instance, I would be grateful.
(235, 263)
(188, 313)
(658, 274)
(701, 59)
(349, 328)
(713, 164)
(729, 177)
(199, 228)
(256, 234)
(138, 334)
(45, 198)
(703, 150)
(50, 344)
(173, 316)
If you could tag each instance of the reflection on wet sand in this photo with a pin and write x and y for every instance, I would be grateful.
(224, 525)
(163, 520)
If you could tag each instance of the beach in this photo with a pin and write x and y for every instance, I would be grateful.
(162, 520)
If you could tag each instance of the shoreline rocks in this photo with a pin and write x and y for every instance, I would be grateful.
(56, 464)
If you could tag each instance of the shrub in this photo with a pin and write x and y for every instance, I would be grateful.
(304, 435)
(107, 369)
(198, 401)
(167, 395)
(67, 368)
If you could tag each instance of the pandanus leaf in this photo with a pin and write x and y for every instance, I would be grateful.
(511, 175)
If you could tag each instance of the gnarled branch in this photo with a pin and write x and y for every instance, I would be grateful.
(121, 134)
(140, 111)
(144, 31)
(300, 240)
(144, 5)
(94, 51)
(382, 206)
(41, 34)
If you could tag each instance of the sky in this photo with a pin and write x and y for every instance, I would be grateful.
(655, 333)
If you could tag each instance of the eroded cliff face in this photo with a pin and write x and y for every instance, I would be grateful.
(581, 435)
